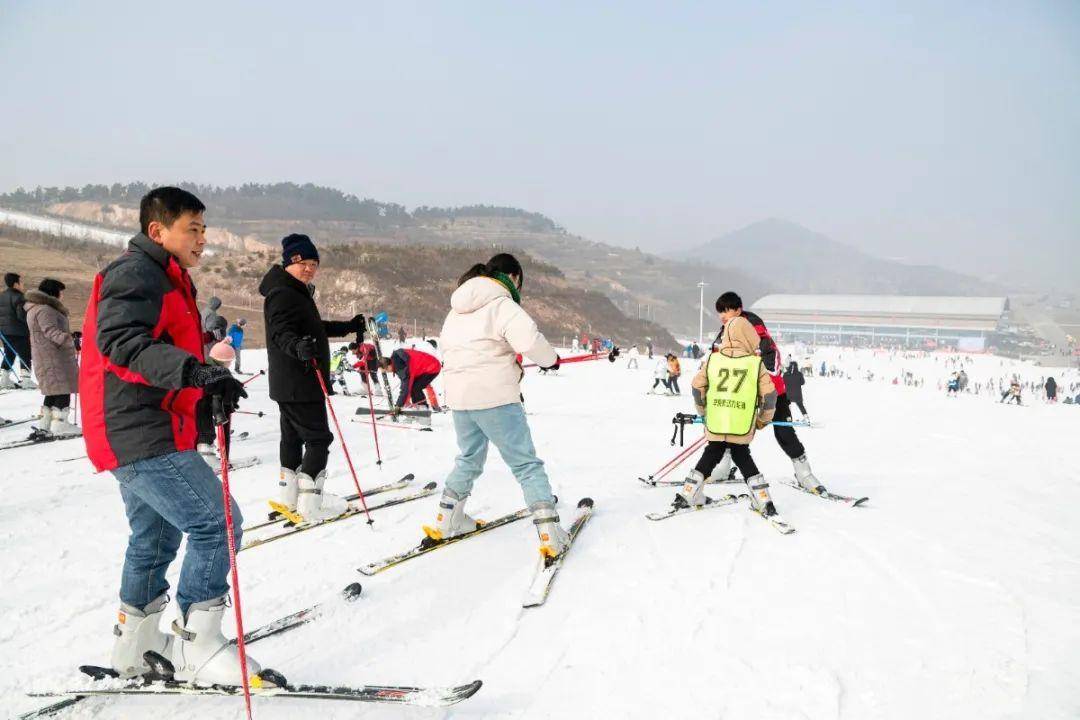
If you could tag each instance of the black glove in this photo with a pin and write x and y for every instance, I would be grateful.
(305, 349)
(558, 361)
(357, 323)
(216, 381)
(77, 339)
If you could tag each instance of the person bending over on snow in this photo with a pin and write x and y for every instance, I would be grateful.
(142, 371)
(297, 337)
(415, 370)
(729, 305)
(1012, 393)
(55, 366)
(735, 394)
(483, 333)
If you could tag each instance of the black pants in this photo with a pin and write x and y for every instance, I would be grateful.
(656, 381)
(416, 394)
(60, 402)
(802, 408)
(785, 436)
(714, 453)
(674, 381)
(17, 344)
(305, 436)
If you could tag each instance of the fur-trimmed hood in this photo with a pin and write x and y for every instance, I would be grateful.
(37, 297)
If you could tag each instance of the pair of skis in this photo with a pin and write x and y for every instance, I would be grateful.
(776, 521)
(289, 528)
(546, 571)
(161, 683)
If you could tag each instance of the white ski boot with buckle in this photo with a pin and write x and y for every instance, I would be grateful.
(760, 499)
(692, 493)
(288, 488)
(40, 430)
(312, 503)
(137, 632)
(59, 425)
(553, 539)
(451, 519)
(201, 654)
(806, 477)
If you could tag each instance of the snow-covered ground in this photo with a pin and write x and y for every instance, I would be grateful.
(952, 594)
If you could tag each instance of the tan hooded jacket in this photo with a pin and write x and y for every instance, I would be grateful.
(739, 340)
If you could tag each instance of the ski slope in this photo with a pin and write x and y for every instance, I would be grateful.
(952, 594)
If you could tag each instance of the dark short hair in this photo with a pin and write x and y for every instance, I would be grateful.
(11, 278)
(51, 287)
(728, 301)
(165, 205)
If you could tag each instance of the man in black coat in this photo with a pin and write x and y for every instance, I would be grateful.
(297, 340)
(793, 384)
(16, 342)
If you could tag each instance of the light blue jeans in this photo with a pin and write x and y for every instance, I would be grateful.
(507, 428)
(165, 497)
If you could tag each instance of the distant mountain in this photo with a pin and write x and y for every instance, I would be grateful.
(794, 259)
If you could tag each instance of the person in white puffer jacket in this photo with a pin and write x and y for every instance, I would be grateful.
(481, 338)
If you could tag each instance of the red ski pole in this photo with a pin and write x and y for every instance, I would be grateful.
(256, 375)
(341, 439)
(668, 467)
(374, 425)
(221, 421)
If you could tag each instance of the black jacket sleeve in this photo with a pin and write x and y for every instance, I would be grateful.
(282, 320)
(129, 307)
(337, 328)
(400, 362)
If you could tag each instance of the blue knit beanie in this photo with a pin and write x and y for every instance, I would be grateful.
(295, 248)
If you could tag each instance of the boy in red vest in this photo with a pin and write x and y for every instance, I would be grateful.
(143, 371)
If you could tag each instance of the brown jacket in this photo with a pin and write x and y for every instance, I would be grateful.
(51, 344)
(740, 340)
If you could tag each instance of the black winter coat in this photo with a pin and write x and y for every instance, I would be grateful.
(290, 314)
(13, 314)
(794, 381)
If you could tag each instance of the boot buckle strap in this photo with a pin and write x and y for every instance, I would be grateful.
(544, 521)
(186, 635)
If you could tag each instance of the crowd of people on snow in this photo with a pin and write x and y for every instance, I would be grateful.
(158, 382)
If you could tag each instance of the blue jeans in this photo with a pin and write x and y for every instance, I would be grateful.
(507, 428)
(165, 497)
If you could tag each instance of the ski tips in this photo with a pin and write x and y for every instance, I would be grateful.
(352, 591)
(585, 502)
(431, 486)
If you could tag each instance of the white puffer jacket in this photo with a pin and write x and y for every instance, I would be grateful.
(480, 340)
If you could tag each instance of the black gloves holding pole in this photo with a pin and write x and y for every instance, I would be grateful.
(216, 382)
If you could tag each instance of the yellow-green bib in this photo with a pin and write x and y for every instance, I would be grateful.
(731, 398)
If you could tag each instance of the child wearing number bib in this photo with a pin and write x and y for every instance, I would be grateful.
(735, 395)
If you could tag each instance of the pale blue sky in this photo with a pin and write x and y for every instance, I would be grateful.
(933, 131)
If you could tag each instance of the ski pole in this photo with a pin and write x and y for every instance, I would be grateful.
(683, 458)
(221, 420)
(258, 374)
(778, 423)
(374, 426)
(341, 438)
(576, 359)
(677, 460)
(248, 412)
(15, 353)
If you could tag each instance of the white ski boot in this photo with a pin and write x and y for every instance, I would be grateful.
(138, 631)
(59, 425)
(759, 495)
(806, 477)
(5, 380)
(553, 539)
(692, 493)
(41, 426)
(312, 503)
(209, 454)
(287, 488)
(451, 519)
(201, 654)
(724, 470)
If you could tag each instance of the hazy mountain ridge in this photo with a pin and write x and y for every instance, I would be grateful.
(799, 260)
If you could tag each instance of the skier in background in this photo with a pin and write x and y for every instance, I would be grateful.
(415, 370)
(1012, 392)
(660, 375)
(55, 364)
(236, 338)
(632, 362)
(16, 342)
(793, 384)
(1051, 390)
(674, 372)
